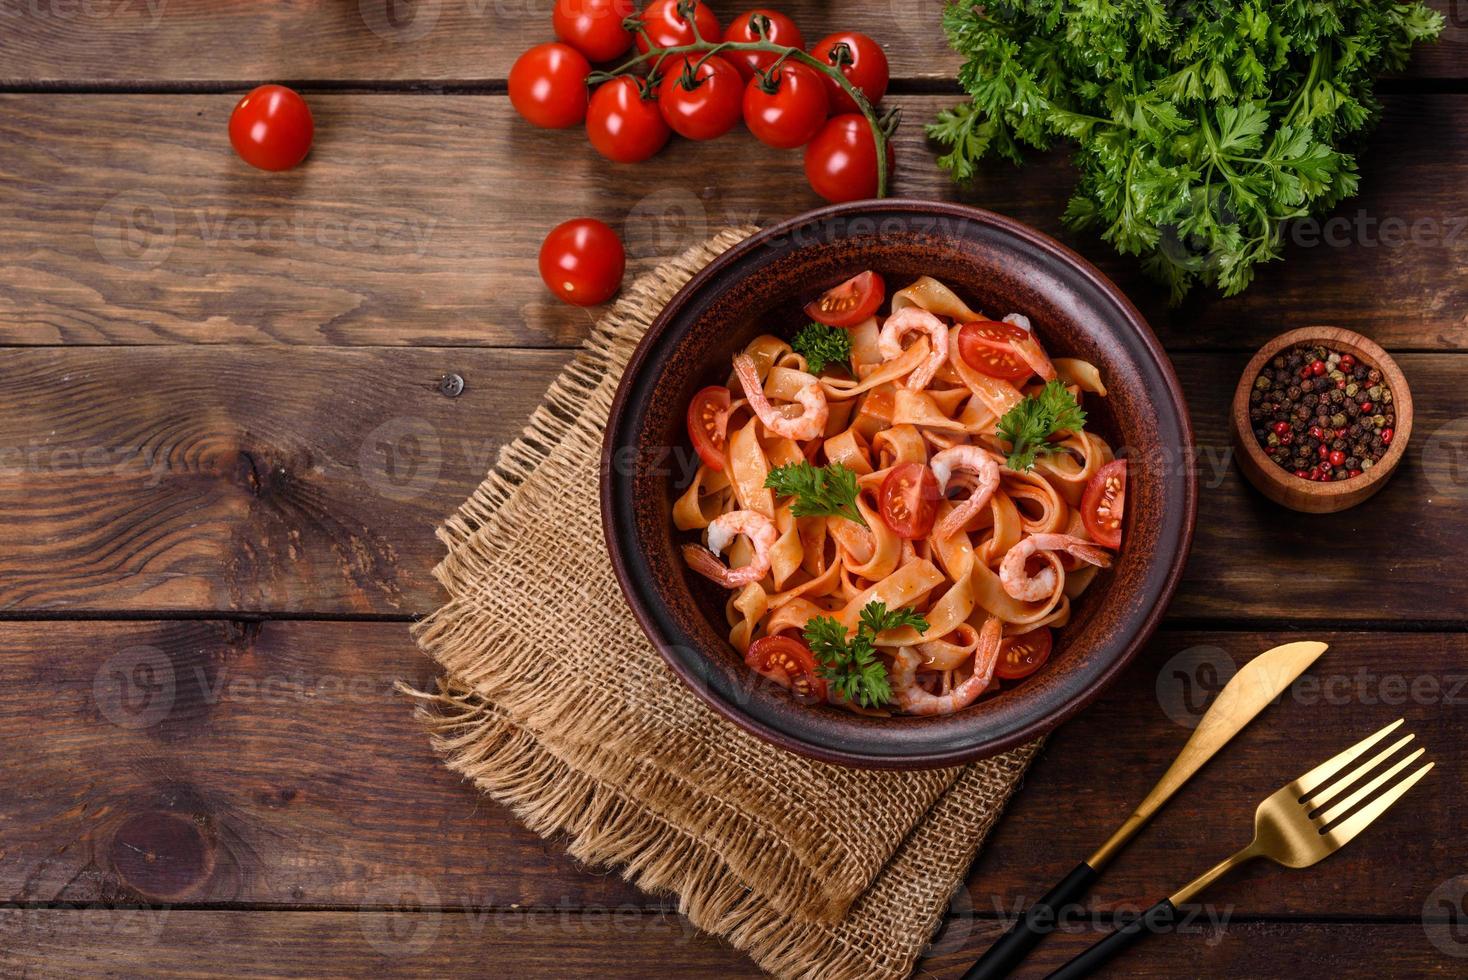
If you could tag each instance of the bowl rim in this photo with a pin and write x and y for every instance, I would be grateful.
(983, 747)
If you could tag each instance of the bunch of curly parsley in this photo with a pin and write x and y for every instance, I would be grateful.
(1201, 126)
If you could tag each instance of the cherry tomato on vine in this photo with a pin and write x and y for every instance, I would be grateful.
(708, 424)
(987, 346)
(1020, 656)
(667, 28)
(861, 60)
(271, 128)
(909, 499)
(622, 125)
(700, 97)
(778, 29)
(1104, 504)
(548, 85)
(793, 112)
(849, 303)
(841, 161)
(582, 261)
(594, 27)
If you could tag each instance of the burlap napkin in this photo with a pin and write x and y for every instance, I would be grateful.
(554, 703)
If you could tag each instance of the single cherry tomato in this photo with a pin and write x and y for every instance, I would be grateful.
(594, 27)
(271, 128)
(850, 303)
(785, 109)
(789, 663)
(909, 499)
(582, 261)
(700, 97)
(988, 346)
(861, 60)
(841, 161)
(548, 85)
(1104, 504)
(1022, 655)
(745, 28)
(708, 424)
(667, 28)
(622, 125)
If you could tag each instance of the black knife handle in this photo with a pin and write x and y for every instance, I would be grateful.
(1159, 918)
(1038, 921)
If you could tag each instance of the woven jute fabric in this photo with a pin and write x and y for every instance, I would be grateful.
(554, 703)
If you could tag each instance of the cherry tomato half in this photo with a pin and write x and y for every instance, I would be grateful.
(700, 97)
(787, 108)
(987, 346)
(1020, 656)
(548, 85)
(841, 161)
(909, 499)
(1104, 504)
(850, 303)
(778, 28)
(622, 125)
(667, 28)
(789, 663)
(708, 424)
(582, 261)
(271, 128)
(594, 27)
(861, 60)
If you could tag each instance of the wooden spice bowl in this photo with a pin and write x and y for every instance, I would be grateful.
(1281, 485)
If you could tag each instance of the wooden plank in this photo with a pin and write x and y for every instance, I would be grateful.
(125, 219)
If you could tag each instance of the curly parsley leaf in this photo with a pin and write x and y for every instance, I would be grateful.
(823, 345)
(850, 663)
(819, 491)
(1029, 425)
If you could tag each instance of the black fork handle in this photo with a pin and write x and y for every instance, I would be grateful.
(1159, 918)
(1038, 921)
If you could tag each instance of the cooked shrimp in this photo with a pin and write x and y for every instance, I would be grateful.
(722, 529)
(1030, 349)
(968, 459)
(810, 424)
(912, 699)
(1020, 584)
(915, 319)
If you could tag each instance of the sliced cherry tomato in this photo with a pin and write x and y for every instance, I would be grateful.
(861, 60)
(700, 97)
(667, 28)
(987, 346)
(1104, 504)
(744, 28)
(622, 125)
(548, 85)
(787, 108)
(850, 303)
(594, 27)
(841, 161)
(708, 423)
(1020, 656)
(909, 499)
(271, 128)
(582, 261)
(789, 663)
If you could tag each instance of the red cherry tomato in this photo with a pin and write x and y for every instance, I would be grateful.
(582, 261)
(705, 104)
(708, 424)
(987, 346)
(668, 29)
(1104, 504)
(548, 85)
(271, 128)
(744, 28)
(789, 663)
(861, 60)
(622, 125)
(1020, 656)
(841, 161)
(792, 113)
(909, 499)
(594, 27)
(850, 303)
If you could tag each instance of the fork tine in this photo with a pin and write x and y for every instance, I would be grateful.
(1361, 819)
(1313, 779)
(1344, 806)
(1339, 784)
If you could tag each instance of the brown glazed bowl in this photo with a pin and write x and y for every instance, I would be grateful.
(997, 265)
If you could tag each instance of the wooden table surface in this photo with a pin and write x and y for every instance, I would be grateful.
(223, 449)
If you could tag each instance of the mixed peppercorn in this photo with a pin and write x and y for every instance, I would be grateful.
(1322, 414)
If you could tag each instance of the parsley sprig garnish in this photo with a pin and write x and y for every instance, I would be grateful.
(850, 663)
(819, 491)
(823, 345)
(1028, 426)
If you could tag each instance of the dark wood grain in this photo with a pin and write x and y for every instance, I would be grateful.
(126, 220)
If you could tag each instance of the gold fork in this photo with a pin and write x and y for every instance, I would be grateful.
(1296, 826)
